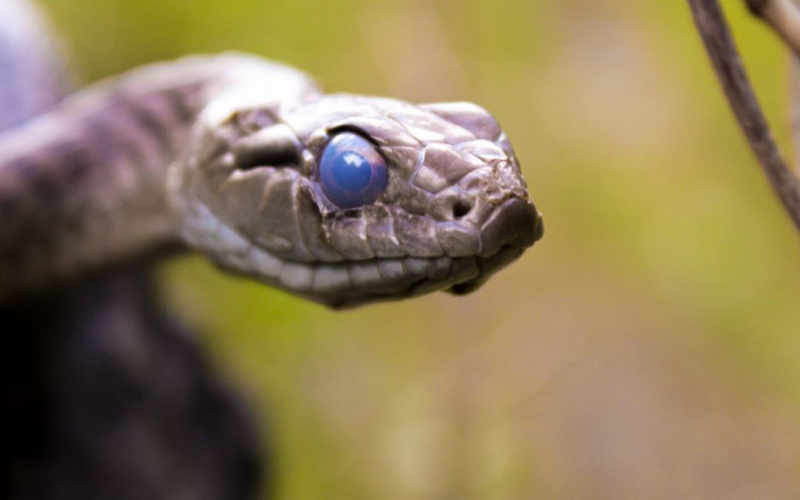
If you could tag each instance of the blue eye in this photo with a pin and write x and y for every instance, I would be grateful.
(351, 171)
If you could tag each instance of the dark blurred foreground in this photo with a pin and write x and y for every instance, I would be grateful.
(105, 397)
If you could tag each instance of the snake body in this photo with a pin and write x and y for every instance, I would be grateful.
(222, 155)
(102, 394)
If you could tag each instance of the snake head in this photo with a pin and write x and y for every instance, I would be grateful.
(347, 199)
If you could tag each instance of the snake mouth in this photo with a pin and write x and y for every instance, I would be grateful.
(455, 275)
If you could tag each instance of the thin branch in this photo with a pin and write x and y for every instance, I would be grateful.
(783, 16)
(725, 57)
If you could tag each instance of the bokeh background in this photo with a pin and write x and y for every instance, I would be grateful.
(647, 347)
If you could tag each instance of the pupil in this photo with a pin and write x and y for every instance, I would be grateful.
(351, 171)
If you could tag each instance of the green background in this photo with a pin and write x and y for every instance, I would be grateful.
(647, 347)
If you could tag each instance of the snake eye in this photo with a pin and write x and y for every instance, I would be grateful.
(351, 171)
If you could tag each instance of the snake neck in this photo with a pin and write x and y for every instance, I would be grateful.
(83, 188)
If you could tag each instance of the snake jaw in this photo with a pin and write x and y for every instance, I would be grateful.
(455, 210)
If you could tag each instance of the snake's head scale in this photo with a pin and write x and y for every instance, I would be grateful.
(345, 199)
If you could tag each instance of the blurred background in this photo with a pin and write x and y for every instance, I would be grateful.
(647, 347)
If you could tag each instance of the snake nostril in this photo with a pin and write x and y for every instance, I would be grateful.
(460, 209)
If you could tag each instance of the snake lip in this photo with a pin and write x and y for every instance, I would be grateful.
(487, 267)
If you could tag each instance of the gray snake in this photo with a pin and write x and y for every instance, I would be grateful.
(221, 154)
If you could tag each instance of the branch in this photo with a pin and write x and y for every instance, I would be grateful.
(782, 16)
(725, 57)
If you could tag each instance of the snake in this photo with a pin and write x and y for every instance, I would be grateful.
(340, 199)
(226, 155)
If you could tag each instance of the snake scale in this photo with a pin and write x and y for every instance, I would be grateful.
(337, 198)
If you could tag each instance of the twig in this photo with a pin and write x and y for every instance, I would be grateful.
(725, 57)
(783, 16)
